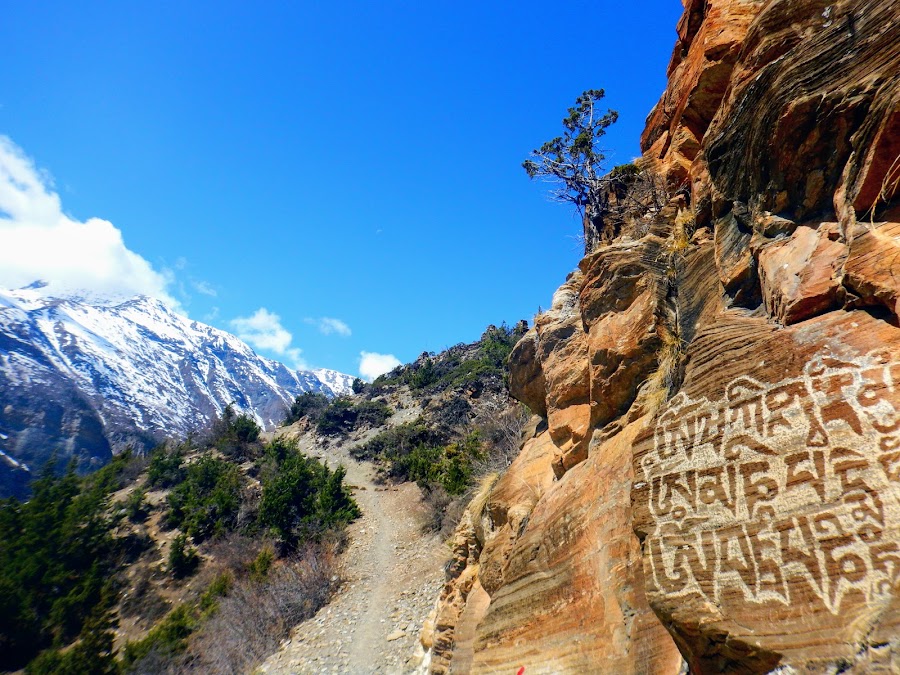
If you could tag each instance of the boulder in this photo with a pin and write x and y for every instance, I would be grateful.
(563, 355)
(620, 306)
(807, 123)
(872, 271)
(710, 37)
(799, 275)
(526, 379)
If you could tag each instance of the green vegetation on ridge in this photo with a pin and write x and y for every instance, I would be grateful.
(469, 427)
(56, 555)
(65, 553)
(457, 367)
(337, 416)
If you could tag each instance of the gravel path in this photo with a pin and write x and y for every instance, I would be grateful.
(392, 574)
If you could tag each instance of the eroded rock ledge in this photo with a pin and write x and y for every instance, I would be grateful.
(714, 484)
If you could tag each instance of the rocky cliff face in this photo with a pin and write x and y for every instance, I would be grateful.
(715, 484)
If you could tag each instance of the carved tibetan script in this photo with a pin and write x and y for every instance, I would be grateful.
(780, 489)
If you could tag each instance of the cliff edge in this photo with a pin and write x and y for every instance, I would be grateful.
(714, 481)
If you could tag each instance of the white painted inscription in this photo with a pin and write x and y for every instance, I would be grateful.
(776, 484)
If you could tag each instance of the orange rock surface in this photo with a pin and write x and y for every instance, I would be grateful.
(715, 485)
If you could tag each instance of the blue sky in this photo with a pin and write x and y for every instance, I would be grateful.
(352, 168)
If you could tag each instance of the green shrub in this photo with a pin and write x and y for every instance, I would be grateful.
(302, 497)
(166, 639)
(459, 366)
(396, 442)
(219, 588)
(206, 502)
(235, 434)
(424, 375)
(166, 466)
(334, 505)
(422, 464)
(259, 568)
(371, 413)
(342, 416)
(624, 171)
(308, 404)
(337, 418)
(413, 451)
(245, 429)
(183, 558)
(279, 449)
(288, 498)
(136, 508)
(93, 653)
(56, 556)
(459, 458)
(449, 466)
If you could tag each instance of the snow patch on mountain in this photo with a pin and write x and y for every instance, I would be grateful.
(340, 384)
(134, 369)
(10, 460)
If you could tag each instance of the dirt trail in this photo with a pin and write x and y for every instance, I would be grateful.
(392, 574)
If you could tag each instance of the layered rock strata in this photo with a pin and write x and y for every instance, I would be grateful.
(715, 482)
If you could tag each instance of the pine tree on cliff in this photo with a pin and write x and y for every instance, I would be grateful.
(574, 161)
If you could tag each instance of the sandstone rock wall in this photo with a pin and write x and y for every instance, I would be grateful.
(715, 484)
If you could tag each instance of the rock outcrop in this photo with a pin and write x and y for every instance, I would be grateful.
(715, 485)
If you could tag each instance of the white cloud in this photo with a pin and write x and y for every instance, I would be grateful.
(204, 287)
(371, 364)
(327, 326)
(39, 241)
(263, 330)
(294, 357)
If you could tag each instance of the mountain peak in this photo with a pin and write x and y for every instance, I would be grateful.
(87, 378)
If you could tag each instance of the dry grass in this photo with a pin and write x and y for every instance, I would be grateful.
(644, 195)
(478, 505)
(234, 553)
(658, 388)
(891, 181)
(661, 385)
(144, 602)
(483, 493)
(502, 430)
(254, 618)
(682, 229)
(670, 360)
(250, 622)
(443, 511)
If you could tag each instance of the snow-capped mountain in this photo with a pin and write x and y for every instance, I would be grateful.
(85, 378)
(339, 383)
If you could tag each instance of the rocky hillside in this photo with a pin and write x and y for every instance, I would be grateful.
(276, 549)
(85, 379)
(445, 421)
(714, 487)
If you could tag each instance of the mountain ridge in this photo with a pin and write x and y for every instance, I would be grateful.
(86, 377)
